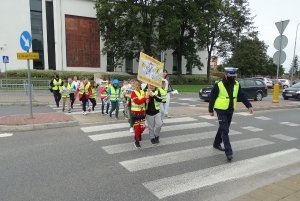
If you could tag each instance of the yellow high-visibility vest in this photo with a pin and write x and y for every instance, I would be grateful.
(223, 100)
(135, 107)
(56, 84)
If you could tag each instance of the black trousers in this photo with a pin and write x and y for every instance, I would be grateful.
(57, 97)
(223, 131)
(84, 100)
(94, 103)
(72, 99)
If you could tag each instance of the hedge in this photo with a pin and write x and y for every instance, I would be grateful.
(48, 75)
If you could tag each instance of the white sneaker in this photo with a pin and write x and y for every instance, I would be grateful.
(131, 130)
(84, 113)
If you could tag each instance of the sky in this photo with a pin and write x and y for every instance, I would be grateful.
(268, 12)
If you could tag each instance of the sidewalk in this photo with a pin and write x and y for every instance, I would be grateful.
(39, 121)
(284, 190)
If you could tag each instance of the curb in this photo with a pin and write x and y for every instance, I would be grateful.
(31, 127)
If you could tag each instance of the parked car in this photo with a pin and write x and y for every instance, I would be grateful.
(285, 83)
(275, 81)
(266, 80)
(292, 92)
(253, 88)
(295, 82)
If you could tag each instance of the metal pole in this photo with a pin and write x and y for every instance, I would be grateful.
(280, 49)
(5, 72)
(29, 88)
(294, 51)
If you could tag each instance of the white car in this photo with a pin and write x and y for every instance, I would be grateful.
(285, 83)
(268, 82)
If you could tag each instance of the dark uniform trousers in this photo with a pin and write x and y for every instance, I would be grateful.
(223, 131)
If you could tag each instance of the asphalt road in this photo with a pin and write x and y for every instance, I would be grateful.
(99, 162)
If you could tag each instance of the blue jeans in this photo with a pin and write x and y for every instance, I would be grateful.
(102, 106)
(223, 131)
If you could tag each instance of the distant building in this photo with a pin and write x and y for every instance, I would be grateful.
(64, 33)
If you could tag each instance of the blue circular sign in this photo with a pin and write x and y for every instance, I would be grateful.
(25, 41)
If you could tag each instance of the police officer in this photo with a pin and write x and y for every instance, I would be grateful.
(223, 98)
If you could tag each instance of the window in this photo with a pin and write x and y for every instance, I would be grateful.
(249, 83)
(37, 32)
(259, 83)
(129, 65)
(175, 63)
(241, 83)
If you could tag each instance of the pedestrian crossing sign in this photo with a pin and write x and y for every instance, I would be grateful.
(5, 59)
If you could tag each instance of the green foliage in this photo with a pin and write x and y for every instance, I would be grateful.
(295, 66)
(250, 56)
(189, 79)
(189, 88)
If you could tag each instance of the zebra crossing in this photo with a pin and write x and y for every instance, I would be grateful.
(116, 140)
(2, 135)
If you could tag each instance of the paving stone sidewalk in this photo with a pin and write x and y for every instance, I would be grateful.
(284, 190)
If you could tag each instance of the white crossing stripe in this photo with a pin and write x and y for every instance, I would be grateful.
(289, 124)
(126, 125)
(164, 129)
(6, 134)
(233, 122)
(187, 155)
(119, 148)
(183, 103)
(208, 117)
(253, 129)
(174, 185)
(263, 118)
(243, 114)
(284, 137)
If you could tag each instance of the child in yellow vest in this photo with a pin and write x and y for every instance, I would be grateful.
(65, 95)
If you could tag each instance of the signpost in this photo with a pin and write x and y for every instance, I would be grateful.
(5, 61)
(280, 56)
(25, 42)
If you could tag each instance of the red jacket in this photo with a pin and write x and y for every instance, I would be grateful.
(138, 101)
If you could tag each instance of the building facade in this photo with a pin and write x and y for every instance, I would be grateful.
(64, 33)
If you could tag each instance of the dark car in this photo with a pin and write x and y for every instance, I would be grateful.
(292, 92)
(295, 81)
(253, 88)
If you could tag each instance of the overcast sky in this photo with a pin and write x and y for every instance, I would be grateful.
(268, 12)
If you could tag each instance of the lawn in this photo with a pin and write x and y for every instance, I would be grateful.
(189, 88)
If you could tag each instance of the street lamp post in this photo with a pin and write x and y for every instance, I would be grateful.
(294, 51)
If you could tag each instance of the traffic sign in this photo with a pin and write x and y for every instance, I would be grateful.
(5, 59)
(25, 40)
(280, 42)
(27, 55)
(282, 25)
(279, 57)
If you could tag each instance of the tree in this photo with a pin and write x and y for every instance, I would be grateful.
(250, 56)
(177, 31)
(225, 22)
(295, 66)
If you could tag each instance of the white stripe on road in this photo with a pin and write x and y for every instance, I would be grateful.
(284, 137)
(243, 114)
(253, 129)
(207, 177)
(179, 120)
(289, 124)
(263, 118)
(120, 134)
(208, 117)
(187, 155)
(6, 134)
(119, 148)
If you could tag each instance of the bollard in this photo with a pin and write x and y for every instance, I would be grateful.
(276, 93)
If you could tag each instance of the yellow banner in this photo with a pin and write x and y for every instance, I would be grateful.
(150, 70)
(28, 55)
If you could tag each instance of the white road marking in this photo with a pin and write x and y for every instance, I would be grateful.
(183, 103)
(187, 155)
(208, 117)
(125, 147)
(243, 114)
(192, 105)
(284, 137)
(119, 134)
(126, 125)
(233, 122)
(253, 129)
(174, 185)
(263, 118)
(6, 134)
(289, 124)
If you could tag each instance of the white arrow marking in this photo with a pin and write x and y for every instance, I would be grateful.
(26, 41)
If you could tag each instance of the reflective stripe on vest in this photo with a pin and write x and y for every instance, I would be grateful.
(223, 100)
(56, 85)
(163, 94)
(94, 93)
(64, 94)
(114, 94)
(156, 103)
(135, 107)
(84, 89)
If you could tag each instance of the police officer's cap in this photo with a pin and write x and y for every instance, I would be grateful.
(231, 71)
